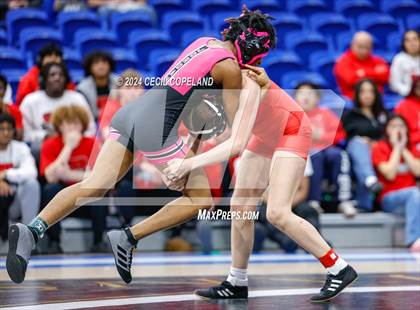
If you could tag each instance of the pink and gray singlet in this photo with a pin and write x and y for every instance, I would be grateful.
(150, 123)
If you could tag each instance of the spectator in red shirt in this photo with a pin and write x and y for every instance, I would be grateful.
(409, 108)
(30, 81)
(66, 159)
(329, 160)
(7, 108)
(358, 63)
(99, 80)
(397, 163)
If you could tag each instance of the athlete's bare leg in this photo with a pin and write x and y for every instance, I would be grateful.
(285, 177)
(196, 196)
(251, 182)
(113, 162)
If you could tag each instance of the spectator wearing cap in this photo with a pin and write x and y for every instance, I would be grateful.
(397, 163)
(99, 80)
(19, 188)
(37, 107)
(8, 108)
(405, 66)
(358, 63)
(30, 81)
(66, 158)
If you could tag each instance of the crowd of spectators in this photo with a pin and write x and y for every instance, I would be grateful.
(366, 160)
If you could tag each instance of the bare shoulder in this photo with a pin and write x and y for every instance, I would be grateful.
(227, 70)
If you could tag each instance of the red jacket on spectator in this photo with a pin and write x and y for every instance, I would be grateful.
(15, 113)
(30, 83)
(381, 152)
(348, 70)
(409, 108)
(332, 131)
(82, 157)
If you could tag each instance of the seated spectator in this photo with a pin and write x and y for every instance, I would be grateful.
(123, 94)
(19, 188)
(406, 64)
(329, 160)
(30, 81)
(397, 163)
(107, 7)
(409, 108)
(9, 108)
(264, 229)
(69, 5)
(98, 81)
(6, 5)
(364, 124)
(66, 159)
(37, 107)
(359, 63)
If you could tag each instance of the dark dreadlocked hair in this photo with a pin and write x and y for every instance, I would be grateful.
(250, 19)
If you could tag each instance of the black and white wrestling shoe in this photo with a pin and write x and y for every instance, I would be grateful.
(223, 291)
(21, 243)
(122, 248)
(335, 284)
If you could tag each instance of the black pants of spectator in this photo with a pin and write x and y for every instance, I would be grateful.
(263, 229)
(96, 213)
(5, 203)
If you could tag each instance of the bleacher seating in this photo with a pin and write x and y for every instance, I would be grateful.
(291, 79)
(16, 20)
(311, 33)
(305, 42)
(145, 42)
(210, 7)
(311, 36)
(123, 23)
(90, 39)
(279, 63)
(176, 23)
(70, 22)
(11, 58)
(124, 59)
(34, 38)
(72, 59)
(400, 8)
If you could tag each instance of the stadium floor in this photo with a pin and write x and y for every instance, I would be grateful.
(389, 279)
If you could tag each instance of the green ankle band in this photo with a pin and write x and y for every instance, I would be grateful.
(39, 226)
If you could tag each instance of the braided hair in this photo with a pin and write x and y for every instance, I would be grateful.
(250, 19)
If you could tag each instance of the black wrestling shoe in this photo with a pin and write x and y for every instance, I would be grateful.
(223, 291)
(335, 284)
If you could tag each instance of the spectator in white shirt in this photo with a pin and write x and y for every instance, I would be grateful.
(406, 64)
(19, 188)
(37, 107)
